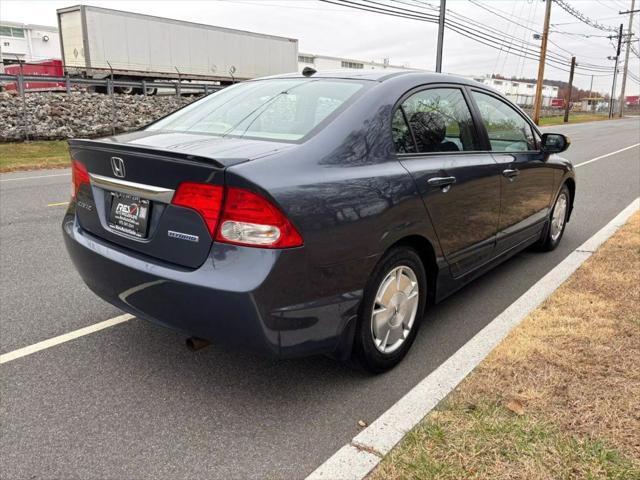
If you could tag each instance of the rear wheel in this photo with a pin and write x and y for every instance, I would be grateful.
(391, 310)
(557, 221)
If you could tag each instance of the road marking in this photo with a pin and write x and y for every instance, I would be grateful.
(52, 342)
(57, 204)
(358, 458)
(606, 155)
(35, 176)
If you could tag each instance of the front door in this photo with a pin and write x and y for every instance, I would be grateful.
(437, 142)
(527, 181)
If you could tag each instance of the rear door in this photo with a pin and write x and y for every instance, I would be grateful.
(438, 143)
(526, 179)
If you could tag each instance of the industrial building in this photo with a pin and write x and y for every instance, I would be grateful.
(20, 42)
(520, 93)
(325, 62)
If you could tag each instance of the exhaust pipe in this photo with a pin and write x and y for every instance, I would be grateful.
(195, 343)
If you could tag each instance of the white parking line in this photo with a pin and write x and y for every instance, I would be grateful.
(52, 342)
(358, 458)
(606, 155)
(35, 176)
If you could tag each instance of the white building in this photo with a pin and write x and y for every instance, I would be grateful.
(520, 93)
(28, 43)
(324, 62)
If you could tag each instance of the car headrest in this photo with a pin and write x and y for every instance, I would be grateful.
(429, 128)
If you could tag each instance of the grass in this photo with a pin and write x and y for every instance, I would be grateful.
(557, 399)
(575, 118)
(33, 155)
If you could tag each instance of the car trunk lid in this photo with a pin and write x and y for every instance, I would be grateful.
(131, 181)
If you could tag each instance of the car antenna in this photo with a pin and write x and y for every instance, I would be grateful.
(308, 71)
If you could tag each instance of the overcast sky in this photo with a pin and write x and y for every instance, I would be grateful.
(328, 29)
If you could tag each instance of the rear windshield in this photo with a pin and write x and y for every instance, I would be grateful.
(279, 109)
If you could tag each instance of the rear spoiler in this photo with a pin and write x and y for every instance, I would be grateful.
(106, 145)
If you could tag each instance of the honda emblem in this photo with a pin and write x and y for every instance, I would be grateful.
(117, 165)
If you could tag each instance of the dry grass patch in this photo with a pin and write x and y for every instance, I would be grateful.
(558, 398)
(575, 118)
(33, 155)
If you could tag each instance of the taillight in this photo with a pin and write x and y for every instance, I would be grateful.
(249, 219)
(79, 175)
(238, 216)
(204, 198)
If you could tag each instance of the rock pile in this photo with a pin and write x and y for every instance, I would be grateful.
(49, 116)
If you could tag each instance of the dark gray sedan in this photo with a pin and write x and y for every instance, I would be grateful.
(314, 213)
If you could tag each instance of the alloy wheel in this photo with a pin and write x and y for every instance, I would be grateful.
(558, 216)
(394, 309)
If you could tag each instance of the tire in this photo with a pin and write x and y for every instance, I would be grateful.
(400, 317)
(125, 90)
(552, 234)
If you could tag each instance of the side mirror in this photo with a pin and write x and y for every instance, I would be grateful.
(554, 142)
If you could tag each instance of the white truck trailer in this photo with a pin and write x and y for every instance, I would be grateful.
(97, 42)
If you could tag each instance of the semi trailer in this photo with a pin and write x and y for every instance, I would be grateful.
(99, 43)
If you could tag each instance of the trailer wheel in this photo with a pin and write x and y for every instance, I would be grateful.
(125, 90)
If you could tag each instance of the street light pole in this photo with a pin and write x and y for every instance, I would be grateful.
(626, 58)
(440, 36)
(543, 55)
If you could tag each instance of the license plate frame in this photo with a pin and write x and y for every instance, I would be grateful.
(129, 214)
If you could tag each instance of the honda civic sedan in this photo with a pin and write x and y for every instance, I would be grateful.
(314, 213)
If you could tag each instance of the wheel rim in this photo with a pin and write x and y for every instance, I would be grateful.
(558, 216)
(394, 309)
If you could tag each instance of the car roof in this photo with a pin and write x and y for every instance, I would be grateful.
(383, 75)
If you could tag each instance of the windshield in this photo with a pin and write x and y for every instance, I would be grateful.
(280, 109)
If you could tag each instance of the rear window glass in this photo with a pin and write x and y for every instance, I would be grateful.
(282, 109)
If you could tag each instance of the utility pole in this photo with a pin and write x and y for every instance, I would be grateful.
(440, 36)
(593, 104)
(615, 75)
(626, 59)
(568, 100)
(543, 55)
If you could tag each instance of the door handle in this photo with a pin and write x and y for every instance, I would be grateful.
(511, 174)
(441, 181)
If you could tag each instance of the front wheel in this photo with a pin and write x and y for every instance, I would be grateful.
(557, 221)
(392, 307)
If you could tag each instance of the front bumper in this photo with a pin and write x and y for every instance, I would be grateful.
(266, 301)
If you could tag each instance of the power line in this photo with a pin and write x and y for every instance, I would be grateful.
(608, 6)
(465, 21)
(536, 30)
(483, 34)
(582, 17)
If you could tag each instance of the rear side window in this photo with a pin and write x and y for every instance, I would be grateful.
(508, 131)
(439, 119)
(402, 138)
(279, 109)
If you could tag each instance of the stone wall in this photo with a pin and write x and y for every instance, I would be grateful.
(49, 116)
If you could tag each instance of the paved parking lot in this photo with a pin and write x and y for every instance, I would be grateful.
(132, 402)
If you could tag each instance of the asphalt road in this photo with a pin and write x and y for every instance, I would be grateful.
(132, 402)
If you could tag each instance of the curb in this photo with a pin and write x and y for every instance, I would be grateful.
(365, 451)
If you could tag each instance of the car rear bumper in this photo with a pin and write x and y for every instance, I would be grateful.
(258, 299)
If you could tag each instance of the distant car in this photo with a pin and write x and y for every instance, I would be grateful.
(316, 213)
